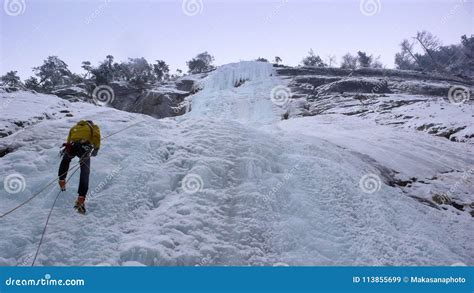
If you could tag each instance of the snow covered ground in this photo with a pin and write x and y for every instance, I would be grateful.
(230, 184)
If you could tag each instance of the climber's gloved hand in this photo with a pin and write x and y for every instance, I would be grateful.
(65, 148)
(94, 152)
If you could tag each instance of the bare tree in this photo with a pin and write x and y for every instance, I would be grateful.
(331, 59)
(407, 48)
(349, 61)
(429, 43)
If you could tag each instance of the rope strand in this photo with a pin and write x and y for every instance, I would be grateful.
(36, 194)
(114, 133)
(77, 166)
(51, 212)
(53, 180)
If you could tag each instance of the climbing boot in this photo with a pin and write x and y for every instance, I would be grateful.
(80, 205)
(62, 185)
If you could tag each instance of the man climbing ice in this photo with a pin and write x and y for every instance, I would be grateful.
(83, 142)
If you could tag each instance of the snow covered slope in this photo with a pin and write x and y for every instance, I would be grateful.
(226, 184)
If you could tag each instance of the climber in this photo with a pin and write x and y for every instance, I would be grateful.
(83, 141)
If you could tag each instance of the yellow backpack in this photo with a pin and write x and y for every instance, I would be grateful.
(85, 132)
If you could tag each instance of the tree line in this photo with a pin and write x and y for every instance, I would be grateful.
(455, 59)
(422, 52)
(54, 73)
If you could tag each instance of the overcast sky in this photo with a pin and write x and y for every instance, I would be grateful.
(175, 31)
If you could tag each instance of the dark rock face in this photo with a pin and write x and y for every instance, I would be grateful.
(381, 95)
(439, 89)
(73, 93)
(368, 72)
(314, 82)
(186, 85)
(159, 101)
(354, 85)
(166, 100)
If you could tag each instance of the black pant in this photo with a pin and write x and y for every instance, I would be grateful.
(82, 152)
